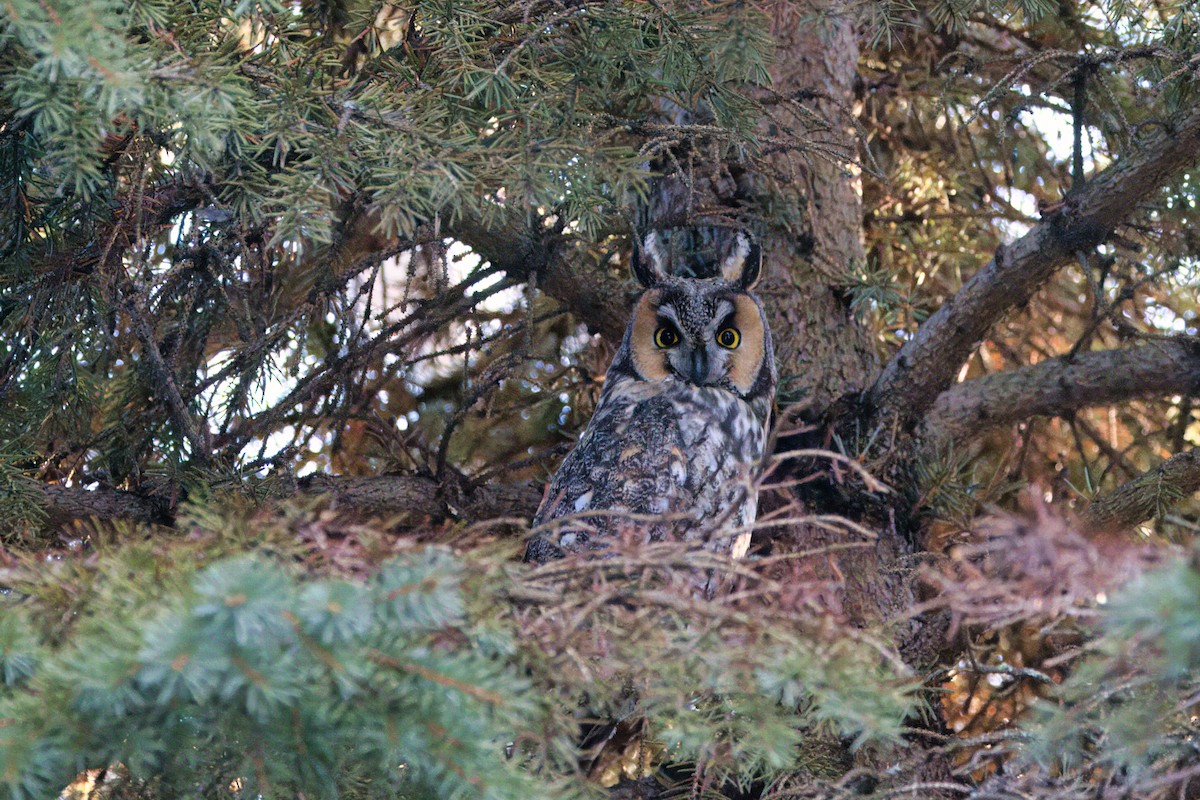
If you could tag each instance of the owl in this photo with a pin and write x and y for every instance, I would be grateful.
(680, 429)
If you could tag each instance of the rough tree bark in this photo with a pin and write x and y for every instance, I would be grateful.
(927, 364)
(812, 205)
(812, 202)
(65, 504)
(1060, 386)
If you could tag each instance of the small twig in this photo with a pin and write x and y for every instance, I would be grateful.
(193, 430)
(873, 483)
(1011, 671)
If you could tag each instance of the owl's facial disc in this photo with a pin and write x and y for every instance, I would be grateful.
(705, 339)
(746, 361)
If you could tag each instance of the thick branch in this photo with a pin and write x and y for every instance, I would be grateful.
(66, 503)
(1060, 386)
(596, 298)
(409, 499)
(1147, 496)
(927, 364)
(509, 243)
(414, 498)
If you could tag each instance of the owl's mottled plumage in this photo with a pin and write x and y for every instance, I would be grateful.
(681, 425)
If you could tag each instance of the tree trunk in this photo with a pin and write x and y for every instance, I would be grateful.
(814, 210)
(812, 204)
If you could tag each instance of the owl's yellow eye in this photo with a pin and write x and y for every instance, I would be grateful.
(729, 338)
(666, 336)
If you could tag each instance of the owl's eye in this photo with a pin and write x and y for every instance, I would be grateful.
(729, 338)
(666, 336)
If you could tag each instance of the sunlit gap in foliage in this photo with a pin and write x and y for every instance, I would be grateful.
(380, 299)
(461, 262)
(1055, 127)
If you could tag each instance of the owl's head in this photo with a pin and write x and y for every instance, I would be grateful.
(706, 332)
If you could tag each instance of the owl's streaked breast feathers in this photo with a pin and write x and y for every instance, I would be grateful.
(680, 429)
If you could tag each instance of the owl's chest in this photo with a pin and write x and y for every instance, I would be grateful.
(672, 459)
(659, 451)
(701, 426)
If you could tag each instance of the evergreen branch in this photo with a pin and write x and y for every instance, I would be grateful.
(1148, 495)
(927, 363)
(151, 209)
(440, 678)
(1061, 386)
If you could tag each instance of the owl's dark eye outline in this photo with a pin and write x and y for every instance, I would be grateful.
(729, 338)
(666, 337)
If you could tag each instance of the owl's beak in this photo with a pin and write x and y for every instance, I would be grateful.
(699, 367)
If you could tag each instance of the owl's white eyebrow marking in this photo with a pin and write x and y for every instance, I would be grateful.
(725, 313)
(668, 312)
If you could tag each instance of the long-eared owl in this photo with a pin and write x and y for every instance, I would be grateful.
(679, 431)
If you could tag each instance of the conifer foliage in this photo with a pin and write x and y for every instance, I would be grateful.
(197, 198)
(243, 675)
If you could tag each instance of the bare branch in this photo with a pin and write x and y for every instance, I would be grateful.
(598, 299)
(1060, 386)
(1148, 495)
(406, 499)
(66, 503)
(195, 430)
(413, 497)
(927, 364)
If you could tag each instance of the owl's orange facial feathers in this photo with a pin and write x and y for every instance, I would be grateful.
(747, 360)
(649, 359)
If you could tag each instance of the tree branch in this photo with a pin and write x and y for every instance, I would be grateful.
(415, 498)
(64, 504)
(1060, 386)
(193, 429)
(1148, 495)
(110, 240)
(927, 364)
(600, 300)
(409, 499)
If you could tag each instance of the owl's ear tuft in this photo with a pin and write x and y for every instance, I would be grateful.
(743, 266)
(648, 264)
